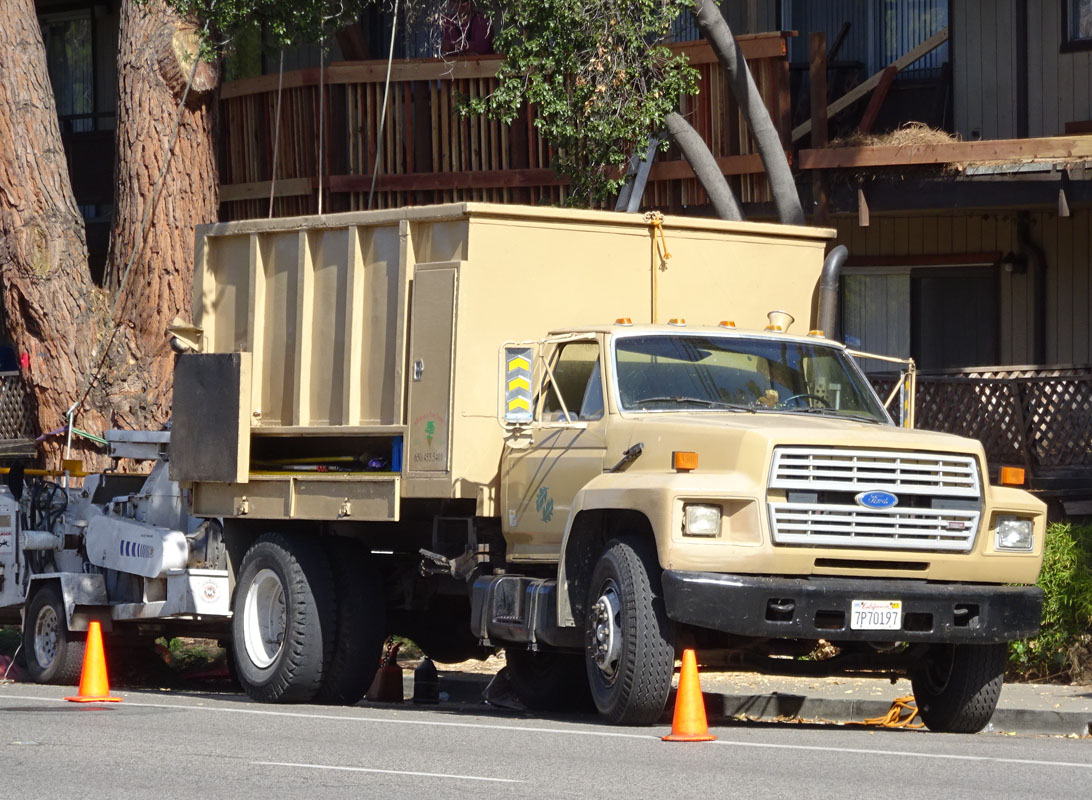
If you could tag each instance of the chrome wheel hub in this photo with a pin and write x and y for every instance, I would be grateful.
(264, 618)
(608, 631)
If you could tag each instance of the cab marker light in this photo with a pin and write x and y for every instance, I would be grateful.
(727, 323)
(677, 321)
(623, 321)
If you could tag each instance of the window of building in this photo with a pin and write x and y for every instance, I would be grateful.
(1076, 25)
(945, 317)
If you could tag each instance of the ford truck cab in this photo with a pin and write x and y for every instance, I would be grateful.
(746, 492)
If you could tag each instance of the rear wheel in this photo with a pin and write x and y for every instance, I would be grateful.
(53, 653)
(629, 642)
(361, 624)
(283, 619)
(957, 689)
(548, 681)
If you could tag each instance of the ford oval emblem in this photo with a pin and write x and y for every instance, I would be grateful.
(876, 499)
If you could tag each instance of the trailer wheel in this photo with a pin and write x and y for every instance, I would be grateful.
(629, 642)
(283, 619)
(361, 624)
(548, 681)
(54, 654)
(958, 688)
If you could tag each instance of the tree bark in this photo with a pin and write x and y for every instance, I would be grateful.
(53, 308)
(697, 154)
(157, 55)
(753, 110)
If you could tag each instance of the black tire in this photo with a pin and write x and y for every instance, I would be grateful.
(54, 654)
(285, 584)
(361, 624)
(629, 674)
(957, 689)
(548, 681)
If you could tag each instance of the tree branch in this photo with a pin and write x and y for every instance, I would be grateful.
(696, 152)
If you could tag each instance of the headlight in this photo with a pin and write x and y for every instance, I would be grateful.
(1013, 534)
(701, 520)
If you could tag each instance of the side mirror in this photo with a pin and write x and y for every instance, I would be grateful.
(517, 384)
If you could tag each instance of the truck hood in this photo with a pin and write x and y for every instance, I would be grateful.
(738, 440)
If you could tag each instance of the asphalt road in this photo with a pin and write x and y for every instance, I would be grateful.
(172, 745)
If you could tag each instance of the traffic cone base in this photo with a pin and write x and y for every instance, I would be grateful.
(689, 724)
(94, 685)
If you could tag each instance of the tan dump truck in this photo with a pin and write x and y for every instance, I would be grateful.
(579, 436)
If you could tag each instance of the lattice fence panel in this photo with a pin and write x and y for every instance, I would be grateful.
(1058, 416)
(1041, 420)
(15, 409)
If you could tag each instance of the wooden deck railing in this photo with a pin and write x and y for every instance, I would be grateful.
(1040, 419)
(430, 154)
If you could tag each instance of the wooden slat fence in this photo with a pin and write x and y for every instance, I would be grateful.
(1037, 418)
(431, 154)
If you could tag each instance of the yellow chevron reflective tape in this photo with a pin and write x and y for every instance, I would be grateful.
(519, 383)
(519, 402)
(519, 362)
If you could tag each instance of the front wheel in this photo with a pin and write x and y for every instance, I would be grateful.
(283, 619)
(54, 654)
(958, 687)
(629, 642)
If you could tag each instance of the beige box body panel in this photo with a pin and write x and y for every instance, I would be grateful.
(328, 309)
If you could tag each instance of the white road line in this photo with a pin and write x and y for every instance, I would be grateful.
(905, 754)
(378, 720)
(909, 754)
(386, 771)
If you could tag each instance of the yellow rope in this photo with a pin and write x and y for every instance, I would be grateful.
(894, 718)
(656, 220)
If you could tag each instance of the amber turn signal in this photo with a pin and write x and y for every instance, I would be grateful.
(1013, 476)
(684, 460)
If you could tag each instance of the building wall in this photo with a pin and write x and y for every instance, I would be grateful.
(1066, 244)
(1059, 84)
(984, 68)
(984, 76)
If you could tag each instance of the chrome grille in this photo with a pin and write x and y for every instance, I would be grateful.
(858, 470)
(820, 485)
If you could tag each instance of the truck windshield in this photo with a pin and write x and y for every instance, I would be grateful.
(679, 372)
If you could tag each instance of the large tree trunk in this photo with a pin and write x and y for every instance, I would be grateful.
(156, 59)
(753, 111)
(48, 294)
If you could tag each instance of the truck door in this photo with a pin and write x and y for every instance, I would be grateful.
(539, 482)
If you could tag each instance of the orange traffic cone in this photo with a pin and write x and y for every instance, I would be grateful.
(94, 686)
(689, 724)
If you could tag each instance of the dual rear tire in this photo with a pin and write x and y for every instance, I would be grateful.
(307, 623)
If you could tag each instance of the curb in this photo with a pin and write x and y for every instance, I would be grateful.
(770, 707)
(467, 689)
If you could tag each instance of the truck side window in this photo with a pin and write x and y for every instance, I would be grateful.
(576, 370)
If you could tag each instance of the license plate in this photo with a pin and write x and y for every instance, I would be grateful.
(876, 615)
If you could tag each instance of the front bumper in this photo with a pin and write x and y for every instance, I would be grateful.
(819, 607)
